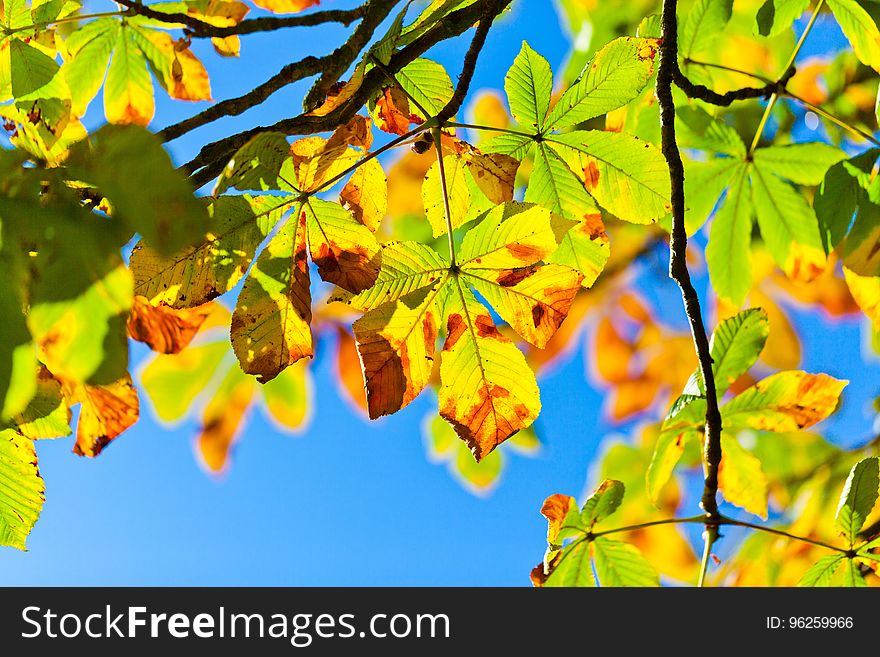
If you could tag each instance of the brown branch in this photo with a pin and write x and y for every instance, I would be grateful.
(678, 270)
(213, 156)
(341, 58)
(724, 100)
(201, 29)
(375, 13)
(491, 12)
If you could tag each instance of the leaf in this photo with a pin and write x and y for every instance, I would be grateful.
(616, 75)
(392, 112)
(571, 568)
(556, 187)
(396, 343)
(222, 419)
(862, 245)
(736, 344)
(457, 191)
(851, 575)
(804, 164)
(488, 392)
(176, 68)
(627, 176)
(428, 83)
(270, 326)
(786, 401)
(728, 252)
(365, 195)
(741, 479)
(195, 275)
(106, 411)
(164, 329)
(528, 84)
(705, 21)
(622, 564)
(563, 518)
(604, 501)
(585, 248)
(670, 446)
(858, 498)
(22, 493)
(345, 252)
(160, 206)
(696, 128)
(128, 90)
(866, 292)
(18, 360)
(860, 29)
(47, 415)
(494, 174)
(788, 225)
(172, 382)
(841, 194)
(257, 165)
(89, 48)
(287, 397)
(776, 16)
(821, 572)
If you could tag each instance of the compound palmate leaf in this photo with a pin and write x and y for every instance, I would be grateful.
(487, 390)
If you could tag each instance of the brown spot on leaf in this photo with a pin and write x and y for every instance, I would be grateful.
(538, 314)
(513, 277)
(591, 175)
(455, 328)
(526, 253)
(593, 226)
(485, 327)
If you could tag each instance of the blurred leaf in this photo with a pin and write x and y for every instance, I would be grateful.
(741, 479)
(822, 571)
(602, 503)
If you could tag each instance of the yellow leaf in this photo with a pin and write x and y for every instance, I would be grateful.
(494, 174)
(457, 192)
(128, 90)
(741, 479)
(285, 6)
(222, 419)
(365, 195)
(556, 509)
(866, 292)
(106, 411)
(185, 77)
(227, 46)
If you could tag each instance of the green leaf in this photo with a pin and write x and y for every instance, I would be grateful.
(18, 357)
(705, 22)
(406, 267)
(736, 345)
(585, 248)
(616, 75)
(22, 492)
(33, 73)
(728, 253)
(667, 452)
(741, 479)
(776, 16)
(160, 206)
(128, 89)
(696, 128)
(804, 164)
(704, 183)
(851, 575)
(862, 245)
(89, 47)
(257, 165)
(197, 274)
(627, 176)
(785, 401)
(173, 381)
(553, 185)
(604, 501)
(622, 564)
(821, 572)
(788, 225)
(428, 83)
(573, 567)
(860, 29)
(528, 84)
(858, 498)
(47, 415)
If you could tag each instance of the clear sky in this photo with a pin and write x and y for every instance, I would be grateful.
(349, 502)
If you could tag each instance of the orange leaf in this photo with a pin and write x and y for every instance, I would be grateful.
(163, 328)
(106, 411)
(392, 111)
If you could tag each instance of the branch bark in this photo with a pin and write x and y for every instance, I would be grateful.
(678, 270)
(213, 156)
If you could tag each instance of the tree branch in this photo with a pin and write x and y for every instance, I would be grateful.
(201, 29)
(213, 156)
(678, 270)
(724, 100)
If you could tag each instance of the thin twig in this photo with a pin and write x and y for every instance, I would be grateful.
(678, 269)
(202, 29)
(779, 532)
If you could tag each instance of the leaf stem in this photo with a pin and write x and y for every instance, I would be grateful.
(835, 120)
(774, 97)
(438, 146)
(779, 532)
(474, 126)
(653, 523)
(704, 562)
(729, 69)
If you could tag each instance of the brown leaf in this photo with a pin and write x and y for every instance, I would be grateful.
(495, 175)
(163, 328)
(392, 111)
(105, 412)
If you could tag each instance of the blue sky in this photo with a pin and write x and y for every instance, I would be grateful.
(349, 502)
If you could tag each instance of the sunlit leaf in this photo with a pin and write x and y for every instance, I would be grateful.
(528, 84)
(858, 498)
(105, 412)
(740, 477)
(22, 493)
(821, 572)
(622, 564)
